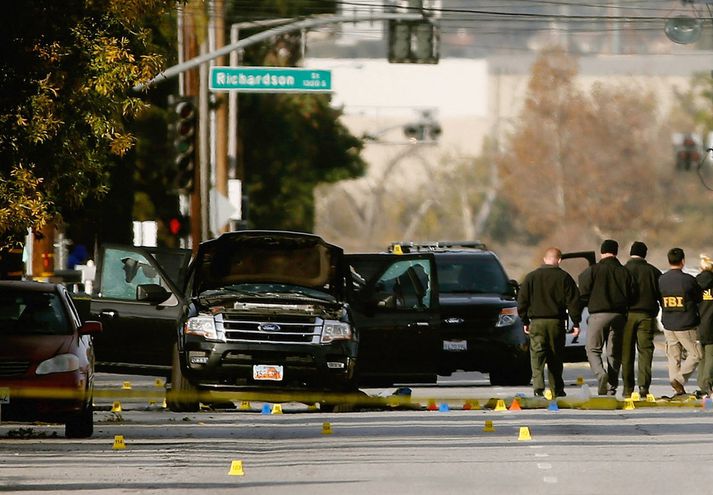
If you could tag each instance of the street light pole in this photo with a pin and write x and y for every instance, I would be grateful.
(204, 170)
(270, 33)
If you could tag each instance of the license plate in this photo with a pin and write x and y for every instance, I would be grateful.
(267, 372)
(455, 345)
(4, 395)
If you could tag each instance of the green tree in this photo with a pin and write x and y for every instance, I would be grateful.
(65, 70)
(290, 143)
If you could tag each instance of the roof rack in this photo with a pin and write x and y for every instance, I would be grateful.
(415, 247)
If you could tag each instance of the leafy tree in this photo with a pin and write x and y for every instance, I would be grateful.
(578, 158)
(65, 71)
(296, 144)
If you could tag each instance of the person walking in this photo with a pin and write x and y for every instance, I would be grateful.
(546, 297)
(705, 327)
(641, 321)
(680, 296)
(607, 289)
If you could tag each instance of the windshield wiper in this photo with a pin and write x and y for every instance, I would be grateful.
(301, 295)
(225, 293)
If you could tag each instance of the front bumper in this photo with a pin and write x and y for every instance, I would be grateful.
(229, 366)
(51, 398)
(481, 349)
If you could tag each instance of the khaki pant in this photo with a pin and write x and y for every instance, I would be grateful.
(676, 341)
(605, 329)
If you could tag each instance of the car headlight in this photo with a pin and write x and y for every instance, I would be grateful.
(58, 364)
(507, 317)
(203, 326)
(336, 330)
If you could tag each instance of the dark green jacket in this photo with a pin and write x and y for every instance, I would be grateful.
(607, 287)
(549, 292)
(646, 277)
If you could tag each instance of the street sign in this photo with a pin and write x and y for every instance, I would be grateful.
(270, 79)
(222, 211)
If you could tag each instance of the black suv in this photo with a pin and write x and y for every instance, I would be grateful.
(480, 329)
(267, 310)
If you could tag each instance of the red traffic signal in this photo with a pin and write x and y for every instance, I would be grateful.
(178, 225)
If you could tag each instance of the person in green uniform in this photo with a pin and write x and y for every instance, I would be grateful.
(547, 296)
(640, 321)
(705, 327)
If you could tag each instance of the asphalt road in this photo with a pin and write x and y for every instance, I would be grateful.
(644, 450)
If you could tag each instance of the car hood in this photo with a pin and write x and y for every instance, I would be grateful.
(34, 347)
(265, 257)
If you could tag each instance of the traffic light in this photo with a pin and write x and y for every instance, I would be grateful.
(425, 46)
(413, 42)
(184, 143)
(399, 42)
(687, 154)
(179, 226)
(426, 129)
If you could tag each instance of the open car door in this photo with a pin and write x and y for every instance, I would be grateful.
(394, 301)
(138, 296)
(574, 264)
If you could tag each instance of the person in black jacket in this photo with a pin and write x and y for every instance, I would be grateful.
(608, 289)
(641, 321)
(545, 297)
(705, 328)
(680, 296)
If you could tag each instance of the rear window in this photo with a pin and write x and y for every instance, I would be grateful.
(471, 275)
(32, 313)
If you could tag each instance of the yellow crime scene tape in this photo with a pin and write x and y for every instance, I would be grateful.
(360, 400)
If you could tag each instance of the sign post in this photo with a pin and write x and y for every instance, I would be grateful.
(270, 80)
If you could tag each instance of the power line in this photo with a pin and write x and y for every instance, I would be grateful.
(513, 14)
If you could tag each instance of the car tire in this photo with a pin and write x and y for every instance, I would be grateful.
(81, 425)
(178, 398)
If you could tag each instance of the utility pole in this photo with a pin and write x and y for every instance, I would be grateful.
(221, 110)
(193, 70)
(188, 86)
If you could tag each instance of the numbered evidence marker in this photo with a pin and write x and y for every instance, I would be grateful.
(119, 443)
(236, 469)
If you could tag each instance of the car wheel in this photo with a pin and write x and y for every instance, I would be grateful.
(81, 425)
(182, 395)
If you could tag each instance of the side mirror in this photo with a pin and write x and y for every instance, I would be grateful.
(513, 288)
(152, 293)
(90, 328)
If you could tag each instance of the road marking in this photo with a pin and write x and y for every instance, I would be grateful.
(550, 479)
(541, 454)
(544, 465)
(535, 446)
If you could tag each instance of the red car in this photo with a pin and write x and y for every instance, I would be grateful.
(46, 357)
